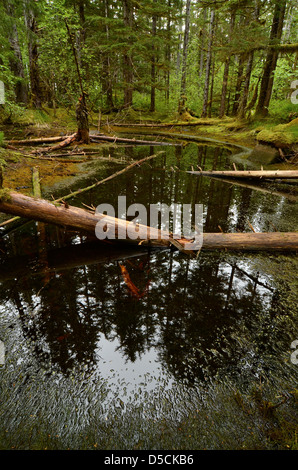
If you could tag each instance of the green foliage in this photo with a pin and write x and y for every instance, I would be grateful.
(148, 36)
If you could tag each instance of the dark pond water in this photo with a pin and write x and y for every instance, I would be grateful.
(89, 364)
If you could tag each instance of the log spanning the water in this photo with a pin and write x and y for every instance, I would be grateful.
(250, 174)
(256, 186)
(86, 221)
(123, 140)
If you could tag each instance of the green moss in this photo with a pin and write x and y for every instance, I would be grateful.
(5, 195)
(278, 137)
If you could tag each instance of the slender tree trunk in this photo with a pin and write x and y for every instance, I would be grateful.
(168, 56)
(16, 62)
(238, 84)
(208, 64)
(226, 70)
(153, 67)
(271, 59)
(82, 120)
(35, 85)
(185, 48)
(107, 79)
(202, 55)
(127, 60)
(211, 89)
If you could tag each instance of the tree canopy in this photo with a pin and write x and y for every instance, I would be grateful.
(206, 58)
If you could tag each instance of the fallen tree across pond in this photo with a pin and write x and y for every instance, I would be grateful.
(85, 221)
(250, 174)
(123, 140)
(290, 195)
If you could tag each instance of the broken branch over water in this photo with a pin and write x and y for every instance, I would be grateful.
(92, 186)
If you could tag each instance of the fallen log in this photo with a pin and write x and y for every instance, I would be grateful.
(115, 139)
(43, 140)
(257, 187)
(199, 122)
(250, 174)
(86, 221)
(69, 140)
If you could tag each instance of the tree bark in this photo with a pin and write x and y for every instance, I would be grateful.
(271, 59)
(85, 221)
(226, 69)
(106, 73)
(153, 64)
(32, 30)
(208, 65)
(185, 48)
(127, 59)
(82, 121)
(16, 62)
(255, 174)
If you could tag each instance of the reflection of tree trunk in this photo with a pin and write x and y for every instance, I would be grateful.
(243, 209)
(230, 286)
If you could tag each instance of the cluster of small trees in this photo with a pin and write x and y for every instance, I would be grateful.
(213, 57)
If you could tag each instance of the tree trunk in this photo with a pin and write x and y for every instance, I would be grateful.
(226, 70)
(82, 121)
(16, 62)
(258, 174)
(271, 59)
(153, 60)
(168, 57)
(107, 79)
(238, 84)
(208, 64)
(85, 221)
(127, 60)
(202, 34)
(35, 85)
(185, 49)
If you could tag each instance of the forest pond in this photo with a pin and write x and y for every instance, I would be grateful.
(90, 364)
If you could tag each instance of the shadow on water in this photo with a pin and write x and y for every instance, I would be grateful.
(86, 310)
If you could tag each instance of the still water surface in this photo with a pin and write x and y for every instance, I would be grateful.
(82, 349)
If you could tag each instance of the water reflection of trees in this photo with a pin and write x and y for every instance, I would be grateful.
(196, 312)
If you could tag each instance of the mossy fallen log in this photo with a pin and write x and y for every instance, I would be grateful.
(85, 221)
